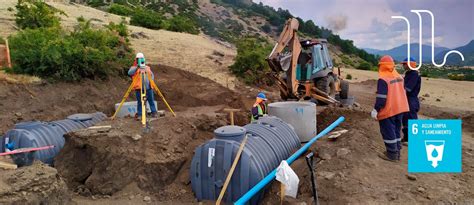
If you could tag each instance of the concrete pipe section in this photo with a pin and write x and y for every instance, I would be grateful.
(300, 115)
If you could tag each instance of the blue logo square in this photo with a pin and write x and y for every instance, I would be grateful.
(434, 146)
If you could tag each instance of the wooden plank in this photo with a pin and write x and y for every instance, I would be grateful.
(231, 112)
(321, 98)
(101, 127)
(9, 62)
(6, 165)
(231, 171)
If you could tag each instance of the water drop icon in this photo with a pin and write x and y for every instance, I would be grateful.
(434, 153)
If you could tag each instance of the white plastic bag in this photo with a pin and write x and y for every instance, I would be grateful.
(288, 177)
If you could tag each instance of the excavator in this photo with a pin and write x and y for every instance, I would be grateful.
(304, 70)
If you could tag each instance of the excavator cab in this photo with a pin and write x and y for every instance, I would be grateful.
(304, 69)
(319, 63)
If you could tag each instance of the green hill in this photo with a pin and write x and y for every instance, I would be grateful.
(229, 20)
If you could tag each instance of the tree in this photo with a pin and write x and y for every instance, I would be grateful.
(250, 62)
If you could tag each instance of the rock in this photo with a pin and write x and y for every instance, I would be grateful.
(438, 100)
(136, 137)
(147, 199)
(411, 177)
(217, 53)
(139, 35)
(421, 189)
(325, 156)
(327, 175)
(342, 151)
(426, 95)
(179, 130)
(18, 114)
(131, 197)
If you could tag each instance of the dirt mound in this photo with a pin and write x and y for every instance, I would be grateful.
(183, 89)
(105, 161)
(52, 101)
(36, 184)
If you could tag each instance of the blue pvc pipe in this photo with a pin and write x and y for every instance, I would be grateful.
(247, 196)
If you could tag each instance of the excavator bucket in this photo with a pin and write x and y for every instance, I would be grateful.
(280, 63)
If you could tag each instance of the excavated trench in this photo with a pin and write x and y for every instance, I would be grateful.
(105, 161)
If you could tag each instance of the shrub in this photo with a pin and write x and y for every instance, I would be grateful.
(55, 54)
(456, 76)
(364, 66)
(183, 24)
(35, 14)
(120, 28)
(349, 77)
(266, 28)
(147, 18)
(346, 60)
(250, 61)
(120, 10)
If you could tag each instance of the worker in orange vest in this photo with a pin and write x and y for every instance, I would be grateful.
(139, 65)
(390, 105)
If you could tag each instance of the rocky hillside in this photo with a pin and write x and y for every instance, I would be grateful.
(230, 20)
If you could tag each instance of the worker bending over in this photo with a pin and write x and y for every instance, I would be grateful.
(138, 67)
(390, 104)
(259, 108)
(412, 88)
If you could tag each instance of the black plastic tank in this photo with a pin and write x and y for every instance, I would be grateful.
(270, 140)
(38, 134)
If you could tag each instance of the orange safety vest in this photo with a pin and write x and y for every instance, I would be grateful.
(137, 85)
(396, 102)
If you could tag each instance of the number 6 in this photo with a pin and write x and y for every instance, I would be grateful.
(414, 128)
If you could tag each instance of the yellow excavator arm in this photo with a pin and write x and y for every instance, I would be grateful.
(288, 38)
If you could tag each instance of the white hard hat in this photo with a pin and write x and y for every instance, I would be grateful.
(140, 55)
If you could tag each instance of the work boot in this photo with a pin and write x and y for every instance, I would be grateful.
(154, 114)
(384, 156)
(136, 117)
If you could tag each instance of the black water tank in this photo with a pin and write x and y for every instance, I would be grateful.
(38, 134)
(270, 140)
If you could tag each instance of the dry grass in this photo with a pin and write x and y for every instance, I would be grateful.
(193, 53)
(18, 78)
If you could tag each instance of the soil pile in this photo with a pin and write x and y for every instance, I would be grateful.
(36, 184)
(104, 161)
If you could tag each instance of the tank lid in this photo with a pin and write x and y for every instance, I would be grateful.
(80, 117)
(26, 125)
(229, 131)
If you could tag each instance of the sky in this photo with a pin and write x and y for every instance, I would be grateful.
(369, 24)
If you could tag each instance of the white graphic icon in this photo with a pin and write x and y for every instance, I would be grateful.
(434, 151)
(420, 42)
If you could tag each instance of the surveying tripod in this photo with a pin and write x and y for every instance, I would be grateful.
(143, 97)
